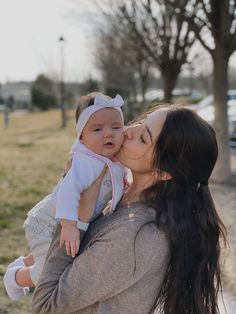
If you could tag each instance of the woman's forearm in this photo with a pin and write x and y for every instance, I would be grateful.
(68, 285)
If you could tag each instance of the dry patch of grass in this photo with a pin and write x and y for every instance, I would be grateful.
(33, 153)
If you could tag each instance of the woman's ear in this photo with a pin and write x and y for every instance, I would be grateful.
(163, 175)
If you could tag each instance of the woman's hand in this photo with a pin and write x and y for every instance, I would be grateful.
(89, 198)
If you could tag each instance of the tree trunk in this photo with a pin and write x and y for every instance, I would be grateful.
(143, 83)
(222, 173)
(143, 89)
(63, 105)
(169, 81)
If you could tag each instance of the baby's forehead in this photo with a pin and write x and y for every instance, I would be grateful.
(106, 115)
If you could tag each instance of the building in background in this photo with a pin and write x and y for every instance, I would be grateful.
(16, 95)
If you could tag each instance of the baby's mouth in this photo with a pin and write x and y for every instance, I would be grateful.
(109, 145)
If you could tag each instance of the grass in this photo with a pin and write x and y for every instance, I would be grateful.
(33, 153)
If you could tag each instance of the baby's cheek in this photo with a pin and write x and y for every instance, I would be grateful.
(120, 134)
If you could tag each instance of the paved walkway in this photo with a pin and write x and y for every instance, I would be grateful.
(230, 304)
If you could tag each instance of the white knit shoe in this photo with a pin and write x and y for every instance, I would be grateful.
(17, 262)
(14, 291)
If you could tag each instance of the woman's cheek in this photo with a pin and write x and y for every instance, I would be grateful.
(132, 153)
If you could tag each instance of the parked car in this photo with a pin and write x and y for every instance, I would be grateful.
(206, 110)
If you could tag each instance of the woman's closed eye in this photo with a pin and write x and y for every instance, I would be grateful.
(142, 139)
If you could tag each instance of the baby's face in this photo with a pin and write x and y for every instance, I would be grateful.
(104, 132)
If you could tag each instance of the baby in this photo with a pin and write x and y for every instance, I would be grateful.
(100, 134)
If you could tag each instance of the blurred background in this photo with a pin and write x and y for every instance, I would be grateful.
(148, 51)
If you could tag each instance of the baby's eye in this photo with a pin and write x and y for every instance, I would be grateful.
(116, 127)
(97, 130)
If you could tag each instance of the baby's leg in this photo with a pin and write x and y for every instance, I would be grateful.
(19, 277)
(28, 260)
(23, 277)
(22, 261)
(13, 289)
(24, 271)
(38, 233)
(39, 252)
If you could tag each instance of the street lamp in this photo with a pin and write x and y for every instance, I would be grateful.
(61, 41)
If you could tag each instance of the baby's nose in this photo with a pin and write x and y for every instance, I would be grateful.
(108, 133)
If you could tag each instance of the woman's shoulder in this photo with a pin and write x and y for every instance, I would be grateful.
(127, 222)
(137, 211)
(152, 241)
(143, 218)
(130, 215)
(134, 227)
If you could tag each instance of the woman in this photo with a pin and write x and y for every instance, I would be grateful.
(161, 245)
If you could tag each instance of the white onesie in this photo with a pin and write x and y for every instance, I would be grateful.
(85, 169)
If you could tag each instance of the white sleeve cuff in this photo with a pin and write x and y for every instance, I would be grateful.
(82, 225)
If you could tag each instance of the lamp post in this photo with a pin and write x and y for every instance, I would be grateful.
(61, 41)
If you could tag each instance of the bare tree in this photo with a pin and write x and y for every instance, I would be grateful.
(133, 52)
(154, 37)
(117, 72)
(165, 36)
(214, 23)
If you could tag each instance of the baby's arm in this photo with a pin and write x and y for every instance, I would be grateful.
(83, 172)
(70, 234)
(80, 176)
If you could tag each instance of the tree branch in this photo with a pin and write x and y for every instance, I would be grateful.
(197, 29)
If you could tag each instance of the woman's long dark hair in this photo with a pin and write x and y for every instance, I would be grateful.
(187, 149)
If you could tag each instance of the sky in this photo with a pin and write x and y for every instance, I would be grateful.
(29, 33)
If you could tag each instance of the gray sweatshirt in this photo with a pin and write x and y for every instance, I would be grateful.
(119, 269)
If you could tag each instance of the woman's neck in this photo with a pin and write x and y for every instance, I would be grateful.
(140, 182)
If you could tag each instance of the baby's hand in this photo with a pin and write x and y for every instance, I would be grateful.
(70, 237)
